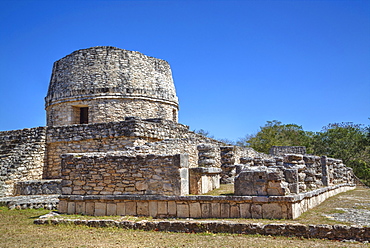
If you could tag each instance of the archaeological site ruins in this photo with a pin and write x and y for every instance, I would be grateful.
(113, 146)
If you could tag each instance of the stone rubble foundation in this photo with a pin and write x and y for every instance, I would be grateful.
(332, 232)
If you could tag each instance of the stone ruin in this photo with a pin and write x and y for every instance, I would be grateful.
(112, 146)
(290, 174)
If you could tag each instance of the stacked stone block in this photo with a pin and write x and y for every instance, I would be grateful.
(38, 187)
(281, 150)
(206, 176)
(231, 159)
(228, 164)
(261, 181)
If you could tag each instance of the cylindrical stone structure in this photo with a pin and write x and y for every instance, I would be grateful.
(105, 84)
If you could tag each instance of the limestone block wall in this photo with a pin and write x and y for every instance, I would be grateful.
(150, 129)
(188, 144)
(22, 157)
(281, 150)
(261, 181)
(55, 150)
(242, 152)
(38, 187)
(103, 110)
(115, 174)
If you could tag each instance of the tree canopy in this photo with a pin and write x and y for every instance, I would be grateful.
(347, 141)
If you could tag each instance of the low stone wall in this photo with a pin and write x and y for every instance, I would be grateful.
(332, 232)
(115, 174)
(30, 201)
(55, 150)
(22, 154)
(281, 150)
(187, 145)
(38, 187)
(203, 206)
(233, 155)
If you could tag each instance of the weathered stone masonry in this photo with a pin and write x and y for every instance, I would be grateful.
(22, 154)
(333, 232)
(134, 135)
(114, 174)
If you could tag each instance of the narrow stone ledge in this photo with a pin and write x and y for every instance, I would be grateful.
(331, 232)
(262, 199)
(207, 170)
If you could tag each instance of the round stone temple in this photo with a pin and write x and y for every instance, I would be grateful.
(105, 84)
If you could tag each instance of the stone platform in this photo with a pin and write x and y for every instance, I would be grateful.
(201, 206)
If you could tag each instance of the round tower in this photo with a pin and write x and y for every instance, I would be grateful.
(104, 84)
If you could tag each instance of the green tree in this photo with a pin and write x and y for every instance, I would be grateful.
(349, 142)
(340, 140)
(274, 133)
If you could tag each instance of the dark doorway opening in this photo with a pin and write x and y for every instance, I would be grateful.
(84, 115)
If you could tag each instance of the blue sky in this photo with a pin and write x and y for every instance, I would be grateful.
(236, 64)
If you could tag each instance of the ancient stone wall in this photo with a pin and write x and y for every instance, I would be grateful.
(281, 150)
(22, 154)
(290, 174)
(233, 155)
(150, 129)
(112, 83)
(188, 144)
(55, 150)
(320, 231)
(38, 187)
(108, 110)
(114, 174)
(242, 152)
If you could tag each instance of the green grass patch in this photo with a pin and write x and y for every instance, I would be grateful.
(225, 189)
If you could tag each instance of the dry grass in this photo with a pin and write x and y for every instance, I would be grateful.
(225, 189)
(17, 230)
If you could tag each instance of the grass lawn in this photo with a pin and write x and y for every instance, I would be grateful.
(17, 230)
